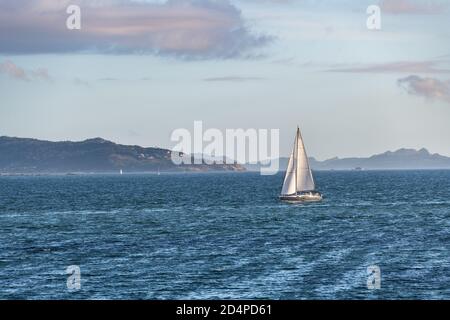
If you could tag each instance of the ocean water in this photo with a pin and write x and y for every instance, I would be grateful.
(225, 236)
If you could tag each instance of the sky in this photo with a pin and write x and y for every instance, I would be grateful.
(138, 70)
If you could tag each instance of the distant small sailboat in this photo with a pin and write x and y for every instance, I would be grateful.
(121, 172)
(299, 182)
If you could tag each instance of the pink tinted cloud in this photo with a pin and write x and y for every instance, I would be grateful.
(429, 88)
(12, 70)
(430, 66)
(413, 6)
(187, 28)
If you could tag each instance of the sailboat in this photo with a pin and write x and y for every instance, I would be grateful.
(299, 182)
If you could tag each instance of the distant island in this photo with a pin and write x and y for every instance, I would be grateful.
(402, 159)
(32, 156)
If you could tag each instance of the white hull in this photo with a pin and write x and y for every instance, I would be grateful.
(303, 197)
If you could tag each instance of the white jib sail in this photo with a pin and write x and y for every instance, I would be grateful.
(289, 179)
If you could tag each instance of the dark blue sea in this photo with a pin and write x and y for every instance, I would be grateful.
(225, 236)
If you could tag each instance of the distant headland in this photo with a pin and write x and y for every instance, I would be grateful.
(32, 156)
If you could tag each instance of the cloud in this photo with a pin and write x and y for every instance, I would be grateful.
(413, 6)
(11, 69)
(429, 88)
(15, 72)
(396, 67)
(284, 61)
(232, 79)
(80, 82)
(195, 29)
(41, 74)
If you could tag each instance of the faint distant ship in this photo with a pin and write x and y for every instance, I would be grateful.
(299, 182)
(121, 172)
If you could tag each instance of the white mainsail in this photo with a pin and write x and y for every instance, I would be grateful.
(298, 176)
(305, 180)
